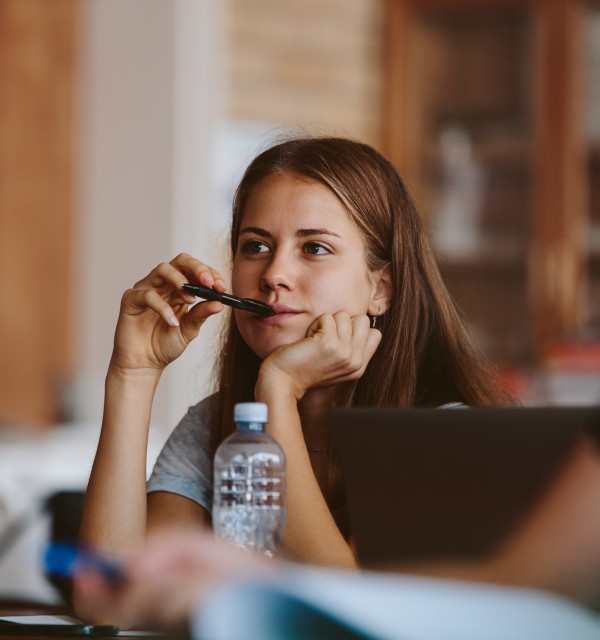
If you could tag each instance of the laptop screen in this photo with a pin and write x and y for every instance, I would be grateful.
(435, 485)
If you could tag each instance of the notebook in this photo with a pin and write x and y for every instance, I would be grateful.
(448, 484)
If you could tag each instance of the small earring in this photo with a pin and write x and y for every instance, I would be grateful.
(374, 318)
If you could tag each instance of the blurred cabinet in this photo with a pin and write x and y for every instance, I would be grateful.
(38, 44)
(485, 116)
(592, 149)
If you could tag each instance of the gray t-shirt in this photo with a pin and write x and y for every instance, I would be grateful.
(184, 465)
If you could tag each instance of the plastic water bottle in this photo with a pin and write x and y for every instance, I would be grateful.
(249, 484)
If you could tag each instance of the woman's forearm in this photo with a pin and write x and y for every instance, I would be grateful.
(114, 515)
(311, 532)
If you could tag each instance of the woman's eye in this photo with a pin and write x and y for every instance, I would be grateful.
(254, 246)
(315, 249)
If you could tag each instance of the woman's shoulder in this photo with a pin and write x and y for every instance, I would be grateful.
(197, 419)
(206, 407)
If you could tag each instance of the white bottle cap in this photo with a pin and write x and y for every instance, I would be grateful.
(250, 412)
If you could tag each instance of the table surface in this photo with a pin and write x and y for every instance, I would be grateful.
(12, 609)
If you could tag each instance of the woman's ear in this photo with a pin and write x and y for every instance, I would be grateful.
(382, 291)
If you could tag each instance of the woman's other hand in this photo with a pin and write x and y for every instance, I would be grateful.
(156, 322)
(337, 348)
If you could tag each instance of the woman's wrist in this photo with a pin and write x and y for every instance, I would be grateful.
(272, 382)
(132, 382)
(118, 371)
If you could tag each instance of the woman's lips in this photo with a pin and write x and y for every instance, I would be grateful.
(280, 313)
(282, 309)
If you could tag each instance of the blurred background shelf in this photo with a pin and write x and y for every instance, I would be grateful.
(492, 110)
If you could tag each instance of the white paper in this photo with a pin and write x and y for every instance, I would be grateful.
(66, 620)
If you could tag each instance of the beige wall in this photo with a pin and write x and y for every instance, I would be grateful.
(150, 83)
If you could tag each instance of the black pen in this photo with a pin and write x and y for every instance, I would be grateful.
(245, 304)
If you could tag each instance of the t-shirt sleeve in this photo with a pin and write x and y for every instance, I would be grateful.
(184, 465)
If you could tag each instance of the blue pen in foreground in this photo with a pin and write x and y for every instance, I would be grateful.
(63, 560)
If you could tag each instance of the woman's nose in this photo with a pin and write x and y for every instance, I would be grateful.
(278, 273)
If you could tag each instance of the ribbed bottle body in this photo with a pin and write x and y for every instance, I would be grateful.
(249, 503)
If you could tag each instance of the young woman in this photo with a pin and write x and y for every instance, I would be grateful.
(325, 232)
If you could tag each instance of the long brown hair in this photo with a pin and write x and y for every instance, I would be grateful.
(425, 357)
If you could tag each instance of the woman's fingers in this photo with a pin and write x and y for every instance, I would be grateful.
(158, 318)
(190, 321)
(365, 341)
(193, 320)
(195, 270)
(358, 343)
(161, 290)
(373, 339)
(345, 337)
(168, 277)
(337, 348)
(136, 301)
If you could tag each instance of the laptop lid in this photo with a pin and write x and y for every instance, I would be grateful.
(430, 485)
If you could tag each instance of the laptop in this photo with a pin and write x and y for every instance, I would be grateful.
(436, 485)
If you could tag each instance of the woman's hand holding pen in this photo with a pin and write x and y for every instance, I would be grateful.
(155, 322)
(337, 348)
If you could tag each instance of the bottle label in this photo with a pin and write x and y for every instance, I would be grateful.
(254, 427)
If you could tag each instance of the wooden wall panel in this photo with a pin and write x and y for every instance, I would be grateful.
(37, 88)
(549, 172)
(313, 63)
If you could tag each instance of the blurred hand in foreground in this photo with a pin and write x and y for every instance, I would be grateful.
(167, 578)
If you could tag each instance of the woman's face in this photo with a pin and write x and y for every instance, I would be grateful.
(299, 252)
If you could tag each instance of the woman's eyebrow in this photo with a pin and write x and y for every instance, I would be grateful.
(256, 230)
(300, 233)
(305, 233)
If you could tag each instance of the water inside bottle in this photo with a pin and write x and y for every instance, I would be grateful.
(249, 509)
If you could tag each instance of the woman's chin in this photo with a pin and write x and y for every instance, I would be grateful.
(265, 350)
